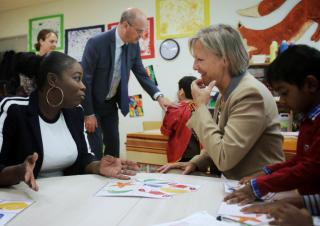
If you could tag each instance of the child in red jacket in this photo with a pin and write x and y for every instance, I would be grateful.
(183, 144)
(295, 75)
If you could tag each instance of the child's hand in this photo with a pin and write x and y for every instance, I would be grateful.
(243, 196)
(289, 215)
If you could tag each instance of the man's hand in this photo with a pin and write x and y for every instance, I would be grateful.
(90, 123)
(200, 94)
(164, 102)
(187, 167)
(243, 196)
(26, 169)
(114, 167)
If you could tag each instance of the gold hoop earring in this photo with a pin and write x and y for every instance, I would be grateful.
(47, 96)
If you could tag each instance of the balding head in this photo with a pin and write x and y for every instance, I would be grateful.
(133, 24)
(131, 15)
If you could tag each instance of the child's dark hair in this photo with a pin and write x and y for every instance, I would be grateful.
(185, 84)
(42, 35)
(294, 65)
(39, 66)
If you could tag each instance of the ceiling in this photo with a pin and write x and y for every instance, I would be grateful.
(6, 5)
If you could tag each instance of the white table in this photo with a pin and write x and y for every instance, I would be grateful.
(71, 201)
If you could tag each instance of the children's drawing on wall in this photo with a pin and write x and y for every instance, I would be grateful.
(76, 39)
(146, 42)
(151, 74)
(299, 17)
(135, 106)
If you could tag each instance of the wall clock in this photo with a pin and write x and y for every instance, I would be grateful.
(169, 49)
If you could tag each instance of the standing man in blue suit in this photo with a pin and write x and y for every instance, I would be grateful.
(107, 61)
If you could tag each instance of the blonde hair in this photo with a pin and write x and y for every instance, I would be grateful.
(225, 42)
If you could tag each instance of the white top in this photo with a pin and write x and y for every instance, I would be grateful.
(59, 148)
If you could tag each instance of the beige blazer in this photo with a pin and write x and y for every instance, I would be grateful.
(247, 136)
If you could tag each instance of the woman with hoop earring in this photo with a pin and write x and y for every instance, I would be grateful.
(43, 135)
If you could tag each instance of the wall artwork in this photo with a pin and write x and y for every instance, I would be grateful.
(181, 18)
(76, 39)
(135, 106)
(146, 42)
(151, 74)
(299, 18)
(54, 22)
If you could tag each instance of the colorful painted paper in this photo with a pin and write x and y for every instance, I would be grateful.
(76, 39)
(181, 18)
(232, 211)
(54, 22)
(146, 42)
(9, 209)
(148, 187)
(135, 106)
(151, 74)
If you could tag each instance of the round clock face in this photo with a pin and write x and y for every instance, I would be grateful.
(169, 49)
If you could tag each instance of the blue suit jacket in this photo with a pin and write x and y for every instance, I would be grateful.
(98, 64)
(20, 133)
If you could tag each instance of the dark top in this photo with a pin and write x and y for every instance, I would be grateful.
(20, 133)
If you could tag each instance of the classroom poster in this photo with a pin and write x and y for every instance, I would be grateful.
(146, 43)
(181, 18)
(76, 39)
(135, 106)
(151, 74)
(54, 22)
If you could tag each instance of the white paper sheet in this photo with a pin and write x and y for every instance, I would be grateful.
(198, 219)
(10, 208)
(232, 211)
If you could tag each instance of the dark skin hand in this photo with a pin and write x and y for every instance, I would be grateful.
(289, 215)
(271, 206)
(242, 196)
(110, 166)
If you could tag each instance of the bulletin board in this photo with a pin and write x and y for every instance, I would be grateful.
(54, 22)
(76, 39)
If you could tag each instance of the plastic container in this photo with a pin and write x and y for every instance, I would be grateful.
(273, 50)
(284, 121)
(284, 45)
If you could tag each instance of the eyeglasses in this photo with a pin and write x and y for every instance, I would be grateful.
(139, 31)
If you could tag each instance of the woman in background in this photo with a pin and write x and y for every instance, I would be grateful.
(46, 41)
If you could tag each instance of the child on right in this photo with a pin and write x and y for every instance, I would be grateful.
(295, 75)
(183, 143)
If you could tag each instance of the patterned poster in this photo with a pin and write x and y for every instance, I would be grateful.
(135, 106)
(181, 18)
(54, 22)
(146, 42)
(76, 39)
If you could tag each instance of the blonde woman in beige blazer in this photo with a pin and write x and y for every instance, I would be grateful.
(244, 134)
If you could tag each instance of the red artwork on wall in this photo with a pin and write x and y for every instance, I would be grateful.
(147, 40)
(291, 28)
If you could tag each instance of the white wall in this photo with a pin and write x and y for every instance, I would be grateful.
(78, 13)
